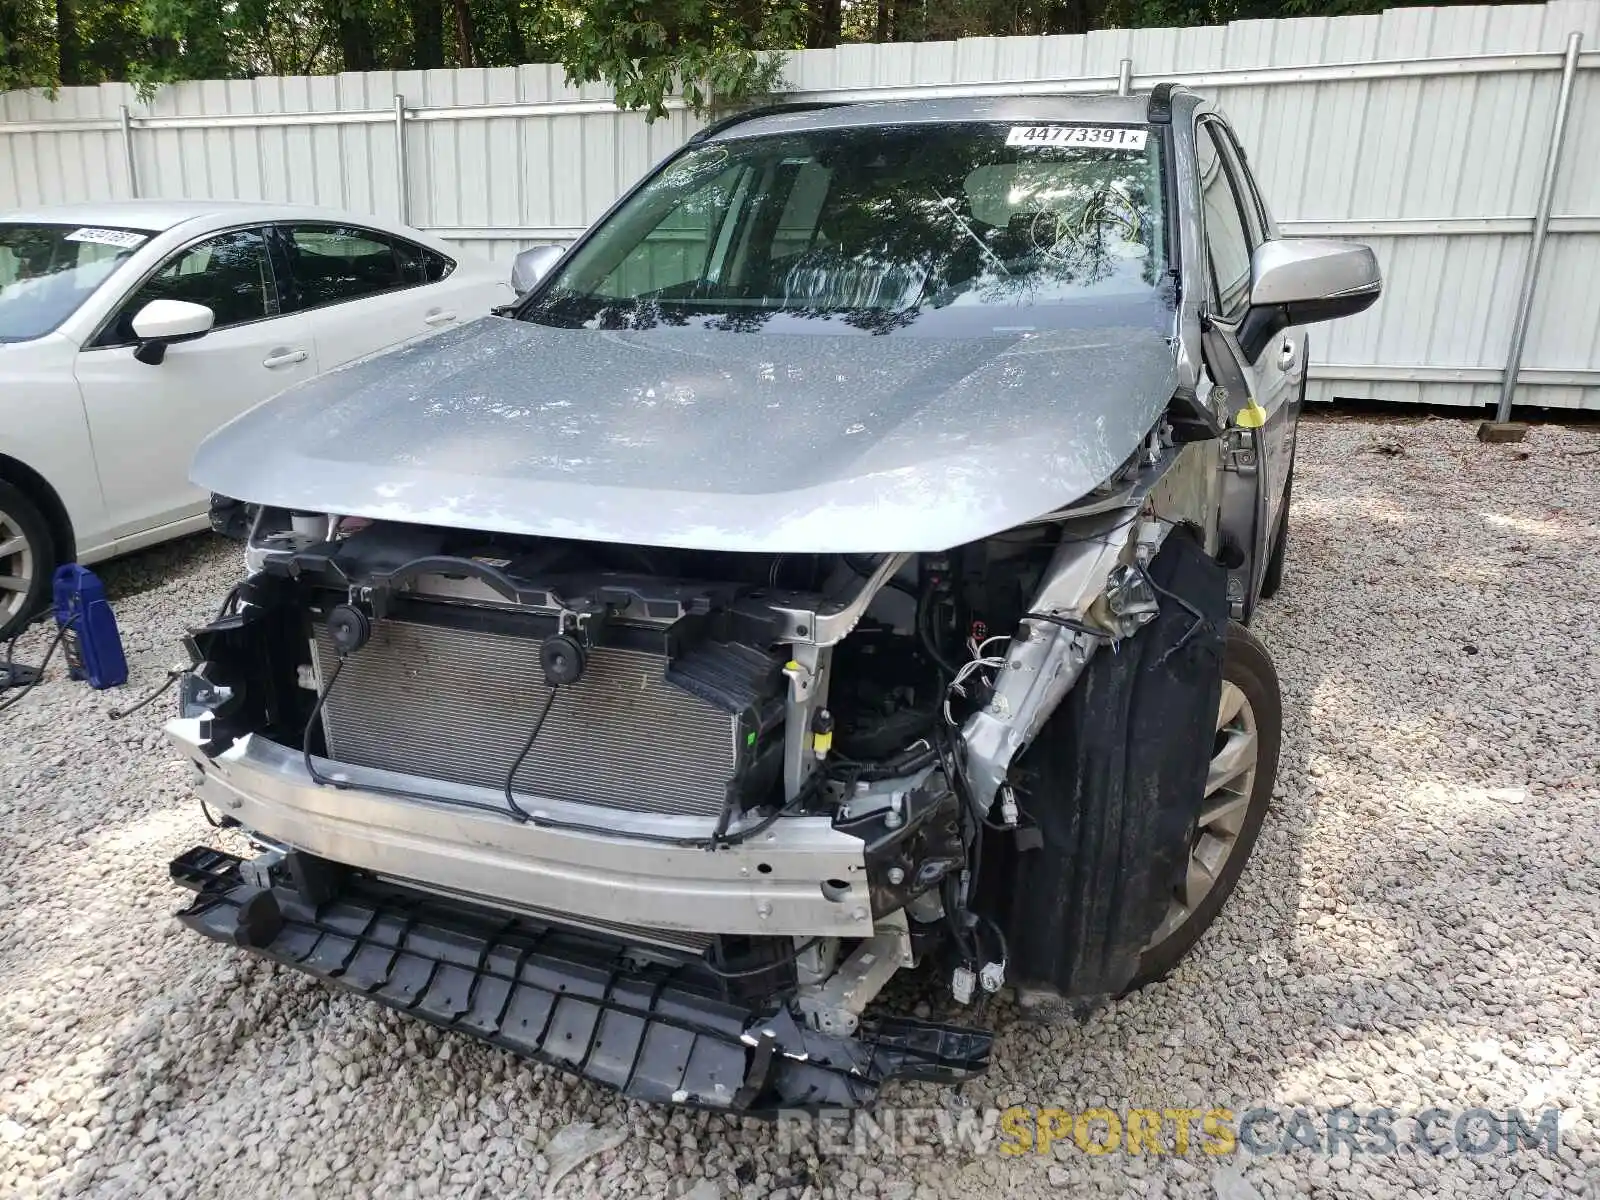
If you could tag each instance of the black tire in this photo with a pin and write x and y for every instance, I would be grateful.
(1272, 577)
(1248, 667)
(19, 516)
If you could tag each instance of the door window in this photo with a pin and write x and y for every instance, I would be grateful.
(329, 264)
(229, 274)
(418, 264)
(1228, 244)
(1261, 219)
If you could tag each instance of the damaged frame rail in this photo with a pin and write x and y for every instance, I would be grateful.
(584, 1003)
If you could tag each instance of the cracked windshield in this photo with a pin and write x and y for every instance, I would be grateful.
(952, 229)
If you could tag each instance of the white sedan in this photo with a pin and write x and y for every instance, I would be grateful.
(131, 330)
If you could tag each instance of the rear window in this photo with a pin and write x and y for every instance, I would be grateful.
(333, 263)
(418, 264)
(48, 271)
(329, 264)
(877, 230)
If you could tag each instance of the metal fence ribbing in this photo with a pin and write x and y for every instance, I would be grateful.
(1428, 132)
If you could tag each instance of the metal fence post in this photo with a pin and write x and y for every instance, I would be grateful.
(401, 179)
(1125, 78)
(1541, 225)
(127, 151)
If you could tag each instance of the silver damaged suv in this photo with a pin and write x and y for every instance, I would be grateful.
(838, 562)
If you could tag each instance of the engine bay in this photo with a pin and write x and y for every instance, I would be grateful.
(894, 637)
(713, 694)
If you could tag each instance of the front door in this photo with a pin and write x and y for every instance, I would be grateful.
(1258, 448)
(146, 421)
(1280, 368)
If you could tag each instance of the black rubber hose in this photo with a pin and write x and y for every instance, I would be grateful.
(323, 781)
(23, 691)
(1068, 623)
(925, 630)
(117, 714)
(999, 936)
(748, 972)
(522, 756)
(907, 762)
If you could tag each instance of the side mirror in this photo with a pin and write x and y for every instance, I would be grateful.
(161, 322)
(1295, 281)
(533, 265)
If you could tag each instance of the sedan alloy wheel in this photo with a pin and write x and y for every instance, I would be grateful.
(19, 566)
(25, 560)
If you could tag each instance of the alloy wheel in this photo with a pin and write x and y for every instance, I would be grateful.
(1229, 784)
(18, 564)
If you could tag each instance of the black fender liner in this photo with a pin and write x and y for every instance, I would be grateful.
(1114, 783)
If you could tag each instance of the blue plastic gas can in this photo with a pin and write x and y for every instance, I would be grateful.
(88, 628)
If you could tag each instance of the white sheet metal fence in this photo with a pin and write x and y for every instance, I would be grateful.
(1422, 131)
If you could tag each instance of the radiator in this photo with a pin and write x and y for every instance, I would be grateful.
(458, 705)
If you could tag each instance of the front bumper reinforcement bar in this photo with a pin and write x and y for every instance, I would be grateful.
(584, 1003)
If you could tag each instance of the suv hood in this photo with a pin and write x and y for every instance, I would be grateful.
(709, 440)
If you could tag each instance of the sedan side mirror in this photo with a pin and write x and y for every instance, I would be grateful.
(533, 265)
(1295, 281)
(161, 322)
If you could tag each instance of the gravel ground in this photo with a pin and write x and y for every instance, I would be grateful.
(1418, 926)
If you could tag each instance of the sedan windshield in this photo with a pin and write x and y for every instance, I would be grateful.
(47, 271)
(952, 228)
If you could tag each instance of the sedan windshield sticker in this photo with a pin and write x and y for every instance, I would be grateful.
(126, 238)
(1105, 137)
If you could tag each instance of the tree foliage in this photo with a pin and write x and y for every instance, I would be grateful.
(708, 51)
(698, 48)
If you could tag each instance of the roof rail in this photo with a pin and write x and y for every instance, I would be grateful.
(766, 110)
(1160, 110)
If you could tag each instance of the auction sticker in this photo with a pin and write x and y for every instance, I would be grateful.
(126, 238)
(1106, 137)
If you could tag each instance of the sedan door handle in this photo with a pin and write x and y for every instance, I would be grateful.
(284, 358)
(439, 317)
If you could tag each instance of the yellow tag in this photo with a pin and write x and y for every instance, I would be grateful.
(821, 743)
(1251, 416)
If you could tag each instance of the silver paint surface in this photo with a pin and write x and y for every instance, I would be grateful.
(709, 440)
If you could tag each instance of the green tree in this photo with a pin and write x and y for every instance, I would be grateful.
(701, 49)
(28, 54)
(711, 52)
